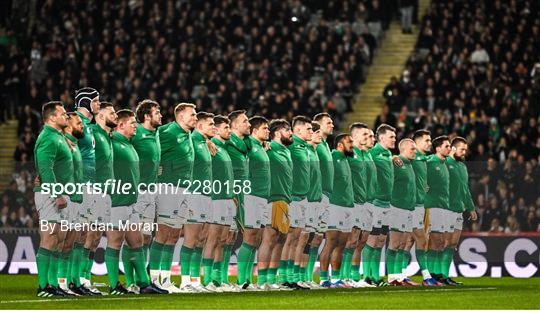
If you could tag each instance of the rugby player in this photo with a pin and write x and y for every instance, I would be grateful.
(174, 176)
(54, 165)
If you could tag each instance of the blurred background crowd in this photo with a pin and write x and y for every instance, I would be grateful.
(475, 72)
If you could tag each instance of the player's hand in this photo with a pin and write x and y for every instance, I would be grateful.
(397, 161)
(160, 170)
(37, 181)
(60, 202)
(212, 147)
(473, 216)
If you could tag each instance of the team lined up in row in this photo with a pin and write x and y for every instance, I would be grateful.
(298, 193)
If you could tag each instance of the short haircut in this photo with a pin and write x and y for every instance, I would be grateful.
(103, 105)
(437, 142)
(403, 141)
(218, 120)
(49, 109)
(384, 128)
(357, 126)
(316, 126)
(256, 122)
(276, 125)
(319, 116)
(124, 114)
(182, 106)
(202, 115)
(235, 114)
(458, 140)
(72, 115)
(340, 137)
(300, 120)
(144, 108)
(419, 134)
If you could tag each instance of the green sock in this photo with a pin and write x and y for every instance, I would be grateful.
(83, 263)
(437, 262)
(129, 269)
(185, 260)
(421, 258)
(345, 269)
(296, 273)
(290, 271)
(390, 260)
(89, 265)
(244, 254)
(367, 252)
(251, 265)
(312, 259)
(355, 273)
(406, 260)
(261, 276)
(43, 259)
(271, 275)
(112, 257)
(53, 269)
(225, 265)
(145, 249)
(324, 275)
(155, 255)
(63, 265)
(446, 261)
(282, 270)
(139, 265)
(375, 264)
(216, 272)
(398, 262)
(302, 275)
(208, 264)
(195, 264)
(76, 257)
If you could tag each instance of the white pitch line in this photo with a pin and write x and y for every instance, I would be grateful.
(419, 290)
(70, 299)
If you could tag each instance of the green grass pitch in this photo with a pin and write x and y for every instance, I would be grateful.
(19, 292)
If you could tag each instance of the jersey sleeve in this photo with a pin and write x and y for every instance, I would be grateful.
(45, 156)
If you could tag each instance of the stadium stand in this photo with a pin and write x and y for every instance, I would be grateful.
(474, 73)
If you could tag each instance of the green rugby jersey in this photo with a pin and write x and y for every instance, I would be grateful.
(222, 173)
(420, 173)
(177, 155)
(146, 143)
(300, 157)
(371, 176)
(259, 169)
(202, 164)
(358, 171)
(237, 149)
(342, 194)
(281, 173)
(315, 182)
(53, 158)
(385, 175)
(461, 198)
(126, 170)
(104, 156)
(438, 180)
(404, 194)
(87, 146)
(327, 167)
(78, 176)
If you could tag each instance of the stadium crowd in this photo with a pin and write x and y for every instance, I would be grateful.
(474, 73)
(470, 75)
